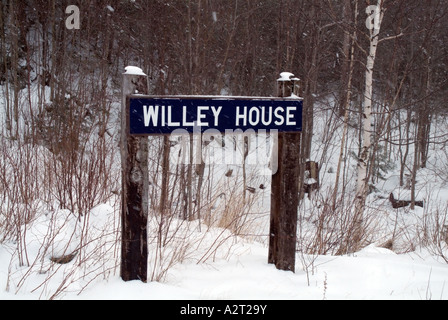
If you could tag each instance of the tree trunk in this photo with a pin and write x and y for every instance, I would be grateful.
(354, 237)
(346, 106)
(165, 176)
(364, 158)
(346, 69)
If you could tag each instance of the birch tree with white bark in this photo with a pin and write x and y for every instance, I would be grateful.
(375, 14)
(373, 22)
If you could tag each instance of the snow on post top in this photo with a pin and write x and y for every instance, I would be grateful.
(287, 76)
(134, 70)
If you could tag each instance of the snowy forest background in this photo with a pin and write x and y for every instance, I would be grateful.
(60, 100)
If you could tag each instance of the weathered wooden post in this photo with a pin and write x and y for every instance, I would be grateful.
(285, 191)
(135, 184)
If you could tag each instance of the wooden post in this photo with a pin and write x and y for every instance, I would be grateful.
(135, 185)
(285, 192)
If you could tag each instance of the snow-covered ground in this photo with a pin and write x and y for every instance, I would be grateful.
(372, 273)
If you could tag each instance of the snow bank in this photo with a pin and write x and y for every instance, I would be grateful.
(237, 270)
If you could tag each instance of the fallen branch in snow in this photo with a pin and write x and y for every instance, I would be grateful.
(65, 258)
(402, 203)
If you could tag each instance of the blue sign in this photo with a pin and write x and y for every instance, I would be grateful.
(156, 115)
